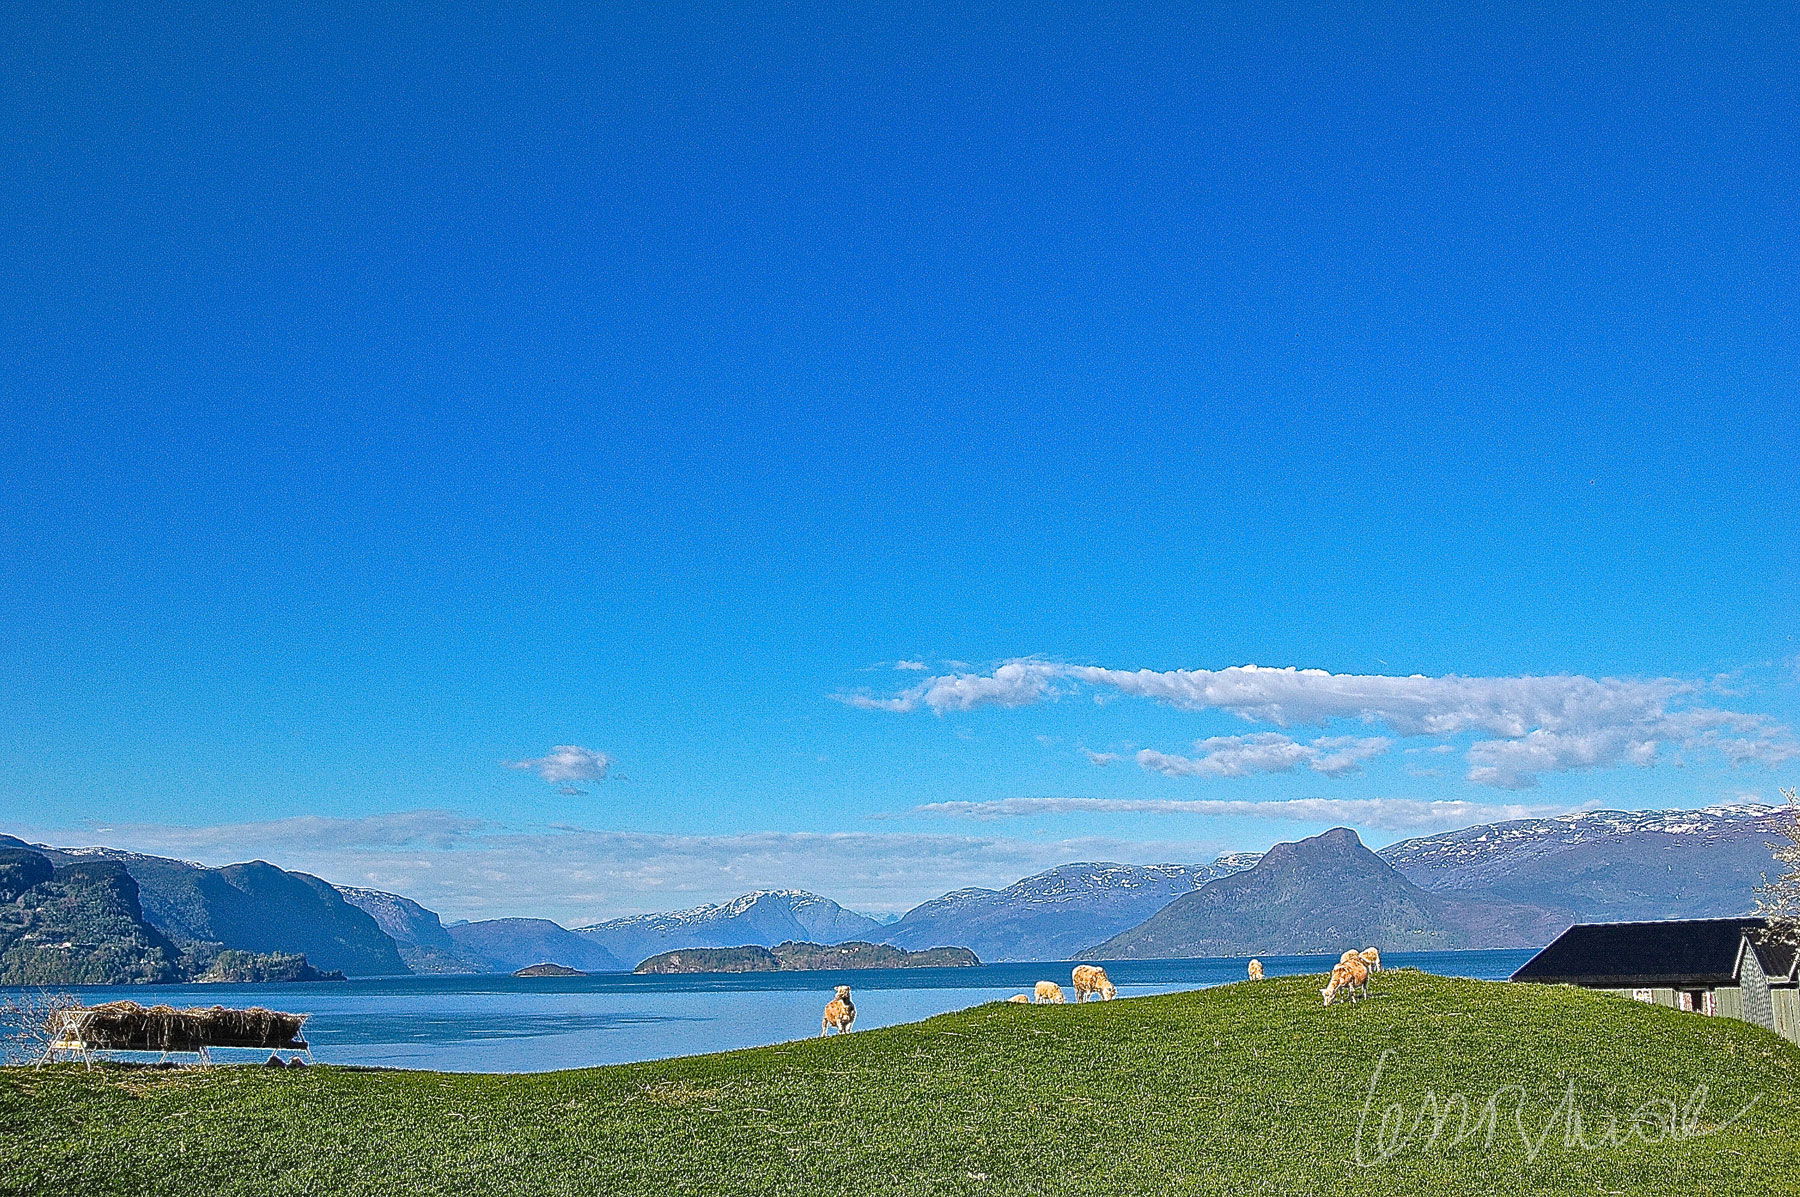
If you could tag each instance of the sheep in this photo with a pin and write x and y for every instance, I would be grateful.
(1349, 955)
(1350, 976)
(1048, 991)
(1372, 958)
(840, 1013)
(1256, 970)
(1091, 981)
(1023, 998)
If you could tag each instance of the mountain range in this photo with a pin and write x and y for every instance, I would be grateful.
(1606, 865)
(764, 917)
(70, 915)
(252, 907)
(1323, 894)
(1054, 914)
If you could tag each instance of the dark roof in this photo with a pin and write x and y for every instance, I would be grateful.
(1778, 958)
(1647, 955)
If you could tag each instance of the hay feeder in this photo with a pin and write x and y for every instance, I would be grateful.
(129, 1027)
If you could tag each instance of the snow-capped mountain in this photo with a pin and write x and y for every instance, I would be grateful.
(1607, 865)
(1053, 914)
(765, 918)
(1233, 862)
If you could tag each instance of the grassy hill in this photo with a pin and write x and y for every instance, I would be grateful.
(1250, 1088)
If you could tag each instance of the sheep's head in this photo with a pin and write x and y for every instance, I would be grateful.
(843, 991)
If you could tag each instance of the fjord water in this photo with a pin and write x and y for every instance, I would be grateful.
(511, 1024)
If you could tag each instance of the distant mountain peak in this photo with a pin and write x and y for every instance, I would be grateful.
(968, 891)
(762, 917)
(793, 897)
(1049, 915)
(1327, 847)
(1336, 839)
(1324, 893)
(796, 899)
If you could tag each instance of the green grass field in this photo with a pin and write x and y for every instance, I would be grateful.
(1250, 1088)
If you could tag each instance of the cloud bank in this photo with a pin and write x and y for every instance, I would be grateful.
(1390, 814)
(1532, 725)
(1266, 752)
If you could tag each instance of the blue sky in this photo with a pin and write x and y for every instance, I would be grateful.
(393, 396)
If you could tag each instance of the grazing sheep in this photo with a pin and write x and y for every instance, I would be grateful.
(1348, 956)
(1091, 980)
(1024, 998)
(1372, 958)
(1351, 977)
(840, 1013)
(1256, 970)
(1048, 991)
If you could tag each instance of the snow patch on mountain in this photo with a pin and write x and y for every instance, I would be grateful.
(1493, 845)
(763, 917)
(1608, 865)
(118, 854)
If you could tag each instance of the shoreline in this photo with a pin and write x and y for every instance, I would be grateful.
(498, 1024)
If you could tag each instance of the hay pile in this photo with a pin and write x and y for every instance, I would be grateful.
(127, 1026)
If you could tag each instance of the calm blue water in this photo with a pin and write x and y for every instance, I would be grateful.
(506, 1024)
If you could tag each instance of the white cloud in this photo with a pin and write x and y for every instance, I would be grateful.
(566, 765)
(1391, 814)
(912, 665)
(1015, 684)
(1266, 752)
(1535, 725)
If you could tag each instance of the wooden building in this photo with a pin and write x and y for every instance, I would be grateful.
(1726, 967)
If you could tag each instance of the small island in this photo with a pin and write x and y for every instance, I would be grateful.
(549, 970)
(795, 957)
(231, 967)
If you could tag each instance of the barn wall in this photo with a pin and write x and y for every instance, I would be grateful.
(1787, 1012)
(1786, 1002)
